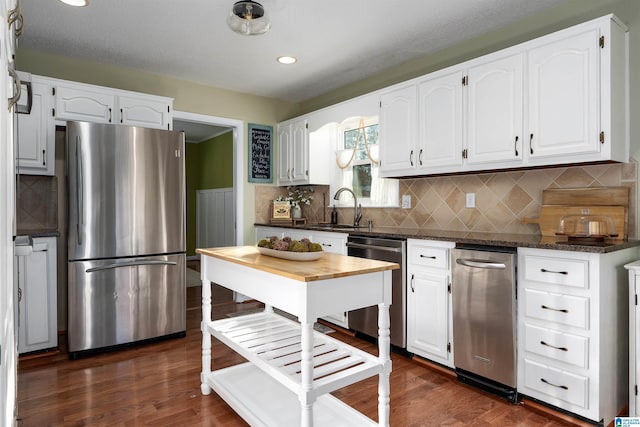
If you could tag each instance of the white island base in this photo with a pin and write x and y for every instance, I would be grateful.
(292, 369)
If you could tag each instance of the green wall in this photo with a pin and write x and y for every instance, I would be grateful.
(208, 166)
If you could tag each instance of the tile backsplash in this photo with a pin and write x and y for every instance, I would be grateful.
(37, 203)
(502, 199)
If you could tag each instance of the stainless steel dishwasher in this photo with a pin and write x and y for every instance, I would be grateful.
(484, 321)
(365, 320)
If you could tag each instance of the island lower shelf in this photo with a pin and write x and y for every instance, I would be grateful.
(272, 344)
(262, 401)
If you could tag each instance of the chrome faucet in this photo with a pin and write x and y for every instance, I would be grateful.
(357, 209)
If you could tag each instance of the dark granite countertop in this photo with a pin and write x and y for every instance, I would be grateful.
(475, 238)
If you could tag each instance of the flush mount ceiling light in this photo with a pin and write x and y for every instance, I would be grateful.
(286, 60)
(77, 3)
(248, 18)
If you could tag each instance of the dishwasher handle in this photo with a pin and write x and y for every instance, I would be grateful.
(490, 265)
(376, 247)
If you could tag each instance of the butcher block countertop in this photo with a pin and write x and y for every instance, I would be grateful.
(329, 266)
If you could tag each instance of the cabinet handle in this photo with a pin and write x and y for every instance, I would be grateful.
(515, 146)
(121, 116)
(544, 270)
(412, 288)
(531, 143)
(288, 173)
(19, 294)
(411, 157)
(561, 310)
(44, 158)
(327, 244)
(427, 256)
(420, 157)
(564, 387)
(553, 346)
(292, 173)
(109, 115)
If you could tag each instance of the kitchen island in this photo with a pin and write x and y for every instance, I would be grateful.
(291, 369)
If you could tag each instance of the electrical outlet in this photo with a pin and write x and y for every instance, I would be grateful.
(406, 201)
(471, 200)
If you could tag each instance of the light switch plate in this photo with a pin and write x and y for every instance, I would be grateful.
(406, 201)
(471, 200)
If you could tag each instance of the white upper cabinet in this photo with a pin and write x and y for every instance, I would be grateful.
(398, 117)
(571, 82)
(440, 121)
(495, 111)
(35, 154)
(293, 154)
(150, 113)
(77, 101)
(558, 99)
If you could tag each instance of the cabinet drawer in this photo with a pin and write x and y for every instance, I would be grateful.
(428, 256)
(559, 308)
(567, 348)
(557, 383)
(557, 271)
(335, 245)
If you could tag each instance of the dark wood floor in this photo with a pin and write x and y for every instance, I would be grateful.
(159, 385)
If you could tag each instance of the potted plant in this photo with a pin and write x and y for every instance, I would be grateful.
(297, 196)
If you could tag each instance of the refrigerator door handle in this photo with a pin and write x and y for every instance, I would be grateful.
(80, 190)
(128, 264)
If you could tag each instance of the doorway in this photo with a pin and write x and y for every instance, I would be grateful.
(199, 128)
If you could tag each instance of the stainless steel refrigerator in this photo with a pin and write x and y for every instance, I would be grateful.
(126, 235)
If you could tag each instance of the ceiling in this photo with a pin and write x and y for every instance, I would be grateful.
(337, 42)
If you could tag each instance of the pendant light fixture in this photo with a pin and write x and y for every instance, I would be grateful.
(248, 18)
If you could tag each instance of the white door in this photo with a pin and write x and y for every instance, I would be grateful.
(215, 223)
(495, 111)
(36, 134)
(144, 112)
(78, 103)
(37, 297)
(398, 133)
(440, 122)
(564, 102)
(427, 315)
(300, 149)
(8, 350)
(284, 154)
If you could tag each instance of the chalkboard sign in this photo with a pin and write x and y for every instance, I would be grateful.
(260, 153)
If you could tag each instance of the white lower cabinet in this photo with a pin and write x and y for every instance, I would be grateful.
(429, 323)
(331, 242)
(572, 334)
(634, 338)
(37, 297)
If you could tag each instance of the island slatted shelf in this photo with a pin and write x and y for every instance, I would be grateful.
(291, 369)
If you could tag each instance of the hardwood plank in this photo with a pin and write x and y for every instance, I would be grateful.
(159, 385)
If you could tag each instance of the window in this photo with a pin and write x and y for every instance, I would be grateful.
(357, 164)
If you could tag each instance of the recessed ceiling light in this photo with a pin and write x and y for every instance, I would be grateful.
(76, 2)
(286, 59)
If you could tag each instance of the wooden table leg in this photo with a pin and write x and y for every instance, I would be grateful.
(384, 343)
(206, 336)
